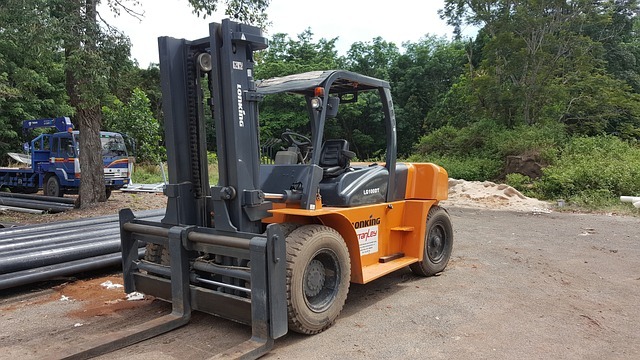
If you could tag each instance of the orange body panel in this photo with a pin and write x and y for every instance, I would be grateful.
(375, 231)
(427, 181)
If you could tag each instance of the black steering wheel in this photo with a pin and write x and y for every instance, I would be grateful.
(295, 139)
(301, 142)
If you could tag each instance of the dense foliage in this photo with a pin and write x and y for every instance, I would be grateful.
(136, 121)
(62, 58)
(554, 81)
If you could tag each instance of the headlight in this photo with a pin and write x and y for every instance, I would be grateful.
(316, 103)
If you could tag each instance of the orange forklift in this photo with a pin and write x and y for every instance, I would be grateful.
(272, 245)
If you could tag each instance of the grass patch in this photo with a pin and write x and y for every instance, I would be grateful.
(152, 173)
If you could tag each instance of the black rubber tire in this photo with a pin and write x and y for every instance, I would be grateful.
(316, 252)
(438, 243)
(52, 186)
(108, 193)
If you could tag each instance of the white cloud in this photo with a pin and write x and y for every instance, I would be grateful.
(350, 20)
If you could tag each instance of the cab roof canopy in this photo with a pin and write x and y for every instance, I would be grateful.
(339, 81)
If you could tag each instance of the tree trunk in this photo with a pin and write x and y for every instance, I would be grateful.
(92, 188)
(88, 116)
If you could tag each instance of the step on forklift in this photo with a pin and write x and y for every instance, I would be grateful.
(271, 245)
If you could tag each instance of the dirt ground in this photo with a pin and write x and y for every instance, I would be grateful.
(117, 201)
(519, 286)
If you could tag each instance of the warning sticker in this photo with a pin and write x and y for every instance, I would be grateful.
(368, 239)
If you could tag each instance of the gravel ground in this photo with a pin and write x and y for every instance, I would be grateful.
(546, 286)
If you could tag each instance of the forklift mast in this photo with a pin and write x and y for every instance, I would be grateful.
(225, 61)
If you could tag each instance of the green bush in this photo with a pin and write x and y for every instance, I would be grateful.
(147, 174)
(467, 168)
(485, 146)
(591, 170)
(518, 181)
(540, 141)
(473, 140)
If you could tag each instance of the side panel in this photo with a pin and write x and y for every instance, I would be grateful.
(373, 233)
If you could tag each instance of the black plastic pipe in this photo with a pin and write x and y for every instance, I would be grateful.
(74, 223)
(63, 269)
(39, 197)
(60, 242)
(63, 254)
(39, 205)
(39, 241)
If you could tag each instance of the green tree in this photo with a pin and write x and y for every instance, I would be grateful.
(93, 53)
(247, 11)
(420, 78)
(537, 55)
(286, 56)
(135, 120)
(374, 58)
(618, 34)
(31, 69)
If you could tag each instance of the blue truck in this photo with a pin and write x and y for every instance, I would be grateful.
(54, 164)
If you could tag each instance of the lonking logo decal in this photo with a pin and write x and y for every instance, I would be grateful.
(367, 233)
(366, 223)
(240, 108)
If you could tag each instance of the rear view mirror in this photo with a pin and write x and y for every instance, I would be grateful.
(332, 107)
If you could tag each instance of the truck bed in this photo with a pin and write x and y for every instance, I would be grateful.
(13, 169)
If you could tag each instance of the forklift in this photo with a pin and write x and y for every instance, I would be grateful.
(272, 245)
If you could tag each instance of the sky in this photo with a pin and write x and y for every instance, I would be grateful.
(349, 20)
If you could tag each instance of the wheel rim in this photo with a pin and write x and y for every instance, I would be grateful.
(436, 243)
(321, 280)
(51, 187)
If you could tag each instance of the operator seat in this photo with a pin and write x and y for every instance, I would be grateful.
(335, 157)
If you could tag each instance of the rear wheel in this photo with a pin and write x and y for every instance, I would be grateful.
(52, 187)
(108, 193)
(318, 276)
(438, 243)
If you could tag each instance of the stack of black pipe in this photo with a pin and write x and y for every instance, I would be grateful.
(40, 252)
(49, 204)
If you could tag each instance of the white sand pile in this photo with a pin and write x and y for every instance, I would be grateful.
(488, 195)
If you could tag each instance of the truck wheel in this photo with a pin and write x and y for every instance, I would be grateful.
(52, 187)
(318, 276)
(108, 193)
(438, 242)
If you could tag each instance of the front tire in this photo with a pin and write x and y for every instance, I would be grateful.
(52, 187)
(318, 276)
(438, 243)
